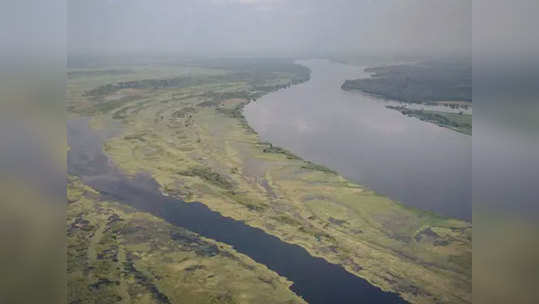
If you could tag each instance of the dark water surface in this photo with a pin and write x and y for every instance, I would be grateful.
(414, 162)
(316, 280)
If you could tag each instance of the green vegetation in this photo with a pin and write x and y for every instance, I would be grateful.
(431, 83)
(116, 254)
(269, 148)
(86, 73)
(426, 82)
(312, 166)
(209, 176)
(195, 143)
(177, 82)
(459, 122)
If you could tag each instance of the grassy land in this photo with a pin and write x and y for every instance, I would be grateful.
(118, 255)
(196, 144)
(459, 122)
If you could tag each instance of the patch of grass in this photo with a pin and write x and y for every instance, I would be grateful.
(210, 176)
(184, 112)
(102, 107)
(459, 122)
(312, 166)
(269, 148)
(287, 220)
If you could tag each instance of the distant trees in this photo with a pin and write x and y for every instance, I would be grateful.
(434, 81)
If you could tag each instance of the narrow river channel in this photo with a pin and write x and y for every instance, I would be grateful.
(316, 280)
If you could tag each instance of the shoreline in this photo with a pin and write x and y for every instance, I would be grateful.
(382, 97)
(458, 122)
(213, 156)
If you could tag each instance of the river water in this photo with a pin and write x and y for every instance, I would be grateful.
(316, 280)
(414, 162)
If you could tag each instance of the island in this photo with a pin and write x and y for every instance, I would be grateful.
(441, 82)
(460, 122)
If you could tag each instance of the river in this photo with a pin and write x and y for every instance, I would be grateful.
(414, 162)
(316, 280)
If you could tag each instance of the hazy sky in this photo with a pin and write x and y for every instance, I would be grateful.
(269, 27)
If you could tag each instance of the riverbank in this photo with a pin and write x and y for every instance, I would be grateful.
(117, 254)
(459, 122)
(353, 133)
(195, 143)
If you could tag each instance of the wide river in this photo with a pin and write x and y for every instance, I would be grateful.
(414, 162)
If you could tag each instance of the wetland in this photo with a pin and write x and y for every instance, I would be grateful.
(183, 152)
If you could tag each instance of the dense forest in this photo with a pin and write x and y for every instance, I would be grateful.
(423, 82)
